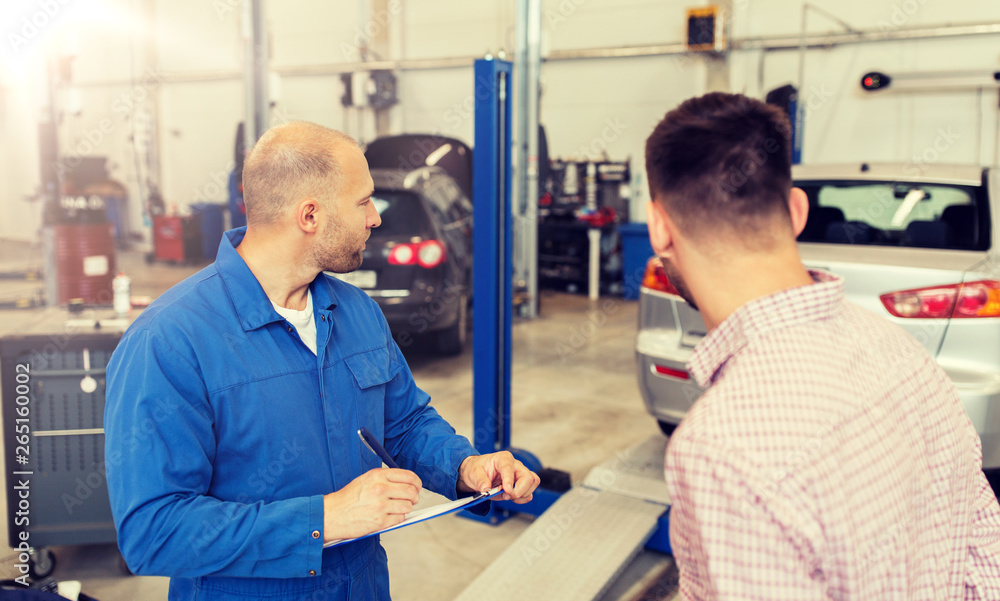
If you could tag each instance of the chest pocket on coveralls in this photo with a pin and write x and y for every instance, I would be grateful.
(372, 370)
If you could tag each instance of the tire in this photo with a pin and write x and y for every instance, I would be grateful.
(666, 427)
(41, 563)
(451, 341)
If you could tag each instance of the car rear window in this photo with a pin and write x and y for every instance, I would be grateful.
(913, 215)
(402, 213)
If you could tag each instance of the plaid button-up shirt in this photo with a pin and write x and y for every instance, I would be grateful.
(830, 458)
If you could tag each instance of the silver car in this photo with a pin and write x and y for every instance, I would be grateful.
(917, 244)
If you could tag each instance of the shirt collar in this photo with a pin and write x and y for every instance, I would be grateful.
(252, 305)
(779, 310)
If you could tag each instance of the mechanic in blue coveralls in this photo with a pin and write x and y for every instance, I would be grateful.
(234, 401)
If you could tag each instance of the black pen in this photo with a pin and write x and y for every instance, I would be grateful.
(373, 445)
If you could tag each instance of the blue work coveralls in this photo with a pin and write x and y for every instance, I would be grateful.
(223, 433)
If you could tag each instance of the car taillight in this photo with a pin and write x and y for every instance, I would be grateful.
(402, 254)
(430, 254)
(663, 370)
(971, 299)
(427, 254)
(656, 279)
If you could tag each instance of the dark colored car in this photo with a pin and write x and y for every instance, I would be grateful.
(407, 152)
(418, 262)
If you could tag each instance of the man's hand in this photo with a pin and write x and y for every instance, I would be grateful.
(374, 500)
(479, 473)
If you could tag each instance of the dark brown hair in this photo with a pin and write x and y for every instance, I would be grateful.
(721, 158)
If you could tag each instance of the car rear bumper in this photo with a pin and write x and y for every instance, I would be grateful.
(405, 313)
(668, 398)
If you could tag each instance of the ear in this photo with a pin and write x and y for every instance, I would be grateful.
(661, 229)
(798, 209)
(306, 215)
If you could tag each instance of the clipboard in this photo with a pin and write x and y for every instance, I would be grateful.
(428, 513)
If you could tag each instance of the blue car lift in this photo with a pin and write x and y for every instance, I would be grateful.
(492, 273)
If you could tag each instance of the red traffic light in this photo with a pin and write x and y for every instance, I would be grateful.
(874, 81)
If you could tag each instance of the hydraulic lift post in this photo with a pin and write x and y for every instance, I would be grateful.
(492, 274)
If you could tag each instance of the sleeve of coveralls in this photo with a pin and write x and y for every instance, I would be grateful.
(417, 436)
(160, 448)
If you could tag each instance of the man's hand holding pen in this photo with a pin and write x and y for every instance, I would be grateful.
(479, 473)
(381, 498)
(373, 501)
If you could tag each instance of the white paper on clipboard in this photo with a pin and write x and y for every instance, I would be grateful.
(427, 514)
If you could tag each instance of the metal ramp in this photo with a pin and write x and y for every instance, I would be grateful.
(636, 472)
(577, 548)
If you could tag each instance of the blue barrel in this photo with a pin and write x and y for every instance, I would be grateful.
(636, 251)
(210, 215)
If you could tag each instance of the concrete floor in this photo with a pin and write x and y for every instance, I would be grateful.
(575, 403)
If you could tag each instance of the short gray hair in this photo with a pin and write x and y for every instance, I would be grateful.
(290, 162)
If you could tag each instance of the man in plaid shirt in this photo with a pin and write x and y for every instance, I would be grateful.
(830, 457)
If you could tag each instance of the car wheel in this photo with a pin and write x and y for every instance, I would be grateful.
(41, 563)
(666, 427)
(451, 341)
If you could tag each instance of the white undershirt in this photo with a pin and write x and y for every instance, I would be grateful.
(304, 321)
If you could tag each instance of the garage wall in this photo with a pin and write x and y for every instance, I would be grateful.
(442, 100)
(847, 124)
(197, 120)
(186, 89)
(588, 107)
(592, 105)
(18, 159)
(99, 40)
